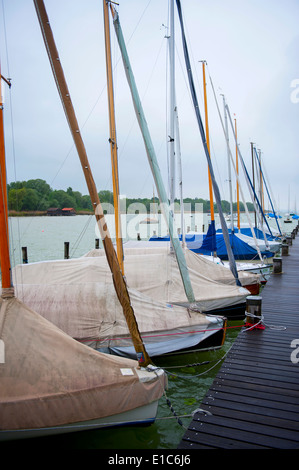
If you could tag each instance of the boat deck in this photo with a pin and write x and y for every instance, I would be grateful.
(253, 402)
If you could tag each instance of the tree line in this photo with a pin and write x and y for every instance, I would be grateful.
(37, 195)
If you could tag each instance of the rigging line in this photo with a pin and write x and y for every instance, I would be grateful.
(139, 21)
(12, 251)
(204, 142)
(121, 149)
(81, 235)
(237, 176)
(215, 158)
(247, 179)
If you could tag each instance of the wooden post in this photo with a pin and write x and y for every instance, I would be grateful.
(284, 249)
(289, 241)
(66, 250)
(254, 311)
(24, 254)
(277, 265)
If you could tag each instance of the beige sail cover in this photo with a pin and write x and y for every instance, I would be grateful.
(78, 296)
(154, 271)
(204, 266)
(49, 379)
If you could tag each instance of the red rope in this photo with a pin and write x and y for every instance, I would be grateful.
(168, 334)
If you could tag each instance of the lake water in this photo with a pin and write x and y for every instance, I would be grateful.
(44, 238)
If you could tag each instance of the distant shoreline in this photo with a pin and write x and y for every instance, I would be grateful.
(14, 213)
(41, 213)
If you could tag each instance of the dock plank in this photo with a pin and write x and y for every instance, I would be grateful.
(253, 402)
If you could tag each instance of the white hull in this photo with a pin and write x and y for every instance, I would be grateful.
(264, 270)
(143, 415)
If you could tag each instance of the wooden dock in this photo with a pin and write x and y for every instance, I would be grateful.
(253, 402)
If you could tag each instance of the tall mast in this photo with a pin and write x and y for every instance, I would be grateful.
(261, 182)
(180, 174)
(172, 106)
(208, 139)
(4, 233)
(237, 170)
(168, 214)
(232, 261)
(112, 139)
(229, 168)
(253, 178)
(118, 279)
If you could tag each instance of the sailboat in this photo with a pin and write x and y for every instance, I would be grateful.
(176, 249)
(88, 303)
(196, 240)
(50, 383)
(242, 250)
(252, 285)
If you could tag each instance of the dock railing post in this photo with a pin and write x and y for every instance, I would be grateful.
(254, 312)
(284, 249)
(66, 250)
(277, 265)
(24, 255)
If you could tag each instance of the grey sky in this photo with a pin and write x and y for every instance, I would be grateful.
(252, 51)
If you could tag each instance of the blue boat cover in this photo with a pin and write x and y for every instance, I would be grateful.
(241, 249)
(258, 233)
(209, 241)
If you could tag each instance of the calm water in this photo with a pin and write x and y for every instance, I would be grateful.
(44, 238)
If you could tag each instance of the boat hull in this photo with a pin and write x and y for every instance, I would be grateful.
(144, 415)
(195, 338)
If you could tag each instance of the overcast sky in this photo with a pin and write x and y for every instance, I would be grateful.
(252, 51)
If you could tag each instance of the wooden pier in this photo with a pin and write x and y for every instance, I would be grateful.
(253, 402)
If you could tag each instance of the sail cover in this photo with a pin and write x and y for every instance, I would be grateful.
(78, 296)
(49, 379)
(241, 249)
(209, 242)
(152, 271)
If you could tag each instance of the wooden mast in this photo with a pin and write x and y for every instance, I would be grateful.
(112, 139)
(4, 233)
(118, 279)
(208, 139)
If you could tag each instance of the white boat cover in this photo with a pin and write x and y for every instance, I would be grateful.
(210, 267)
(274, 246)
(153, 271)
(49, 379)
(78, 296)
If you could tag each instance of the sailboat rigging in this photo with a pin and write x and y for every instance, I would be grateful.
(4, 232)
(52, 384)
(113, 141)
(207, 154)
(95, 317)
(167, 212)
(118, 279)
